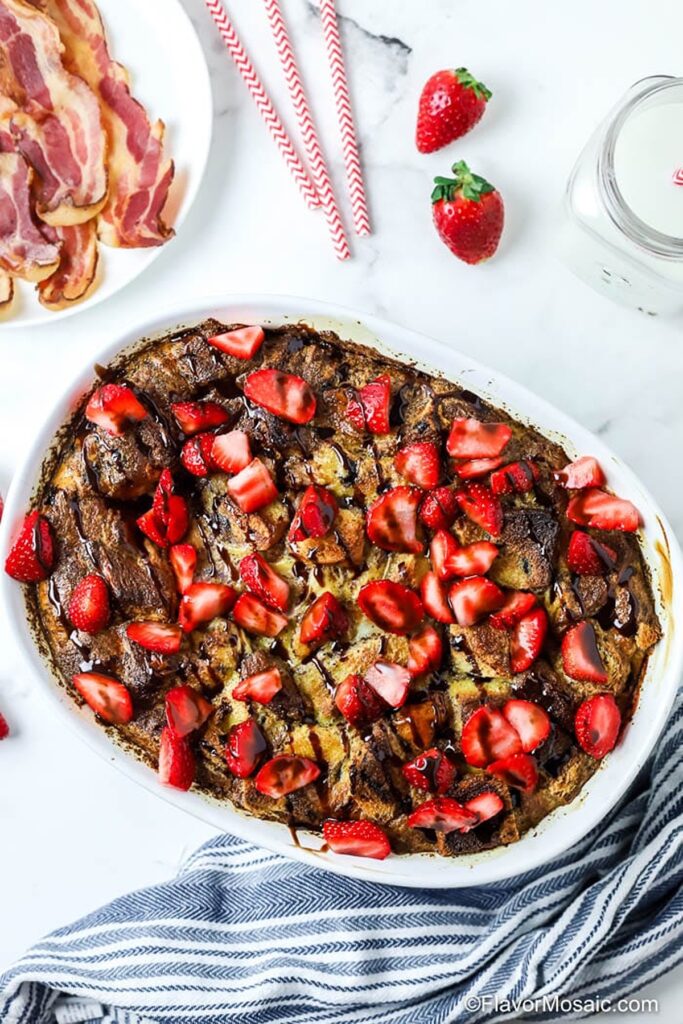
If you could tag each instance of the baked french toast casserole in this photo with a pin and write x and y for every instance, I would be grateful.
(337, 591)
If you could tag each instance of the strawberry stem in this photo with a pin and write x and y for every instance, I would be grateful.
(468, 81)
(468, 185)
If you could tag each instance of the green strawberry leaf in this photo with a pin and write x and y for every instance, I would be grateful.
(468, 81)
(470, 186)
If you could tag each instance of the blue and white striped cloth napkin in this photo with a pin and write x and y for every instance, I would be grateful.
(242, 936)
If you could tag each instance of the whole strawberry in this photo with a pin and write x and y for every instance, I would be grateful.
(89, 608)
(452, 102)
(468, 214)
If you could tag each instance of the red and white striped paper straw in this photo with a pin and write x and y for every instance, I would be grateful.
(263, 102)
(314, 152)
(354, 173)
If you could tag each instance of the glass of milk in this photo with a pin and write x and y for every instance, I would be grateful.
(623, 230)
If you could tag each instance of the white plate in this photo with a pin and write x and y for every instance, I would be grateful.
(156, 41)
(564, 826)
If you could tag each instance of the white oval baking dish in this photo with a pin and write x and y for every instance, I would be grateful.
(564, 826)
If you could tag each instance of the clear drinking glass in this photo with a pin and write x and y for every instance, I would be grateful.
(623, 227)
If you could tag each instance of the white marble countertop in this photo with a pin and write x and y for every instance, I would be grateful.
(74, 833)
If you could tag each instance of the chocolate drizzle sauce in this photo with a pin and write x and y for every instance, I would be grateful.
(321, 783)
(86, 543)
(349, 468)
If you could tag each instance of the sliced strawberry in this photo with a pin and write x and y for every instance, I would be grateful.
(527, 639)
(488, 736)
(435, 598)
(107, 697)
(153, 528)
(470, 439)
(155, 636)
(231, 452)
(588, 557)
(518, 771)
(150, 525)
(583, 472)
(113, 406)
(580, 655)
(426, 651)
(165, 489)
(432, 770)
(517, 604)
(33, 553)
(202, 602)
(256, 617)
(442, 815)
(176, 761)
(375, 398)
(442, 546)
(183, 559)
(197, 455)
(325, 620)
(262, 580)
(195, 417)
(486, 805)
(391, 606)
(168, 520)
(178, 519)
(356, 839)
(253, 487)
(419, 463)
(472, 469)
(515, 478)
(245, 745)
(284, 774)
(390, 681)
(260, 687)
(4, 728)
(358, 702)
(597, 725)
(482, 506)
(315, 515)
(355, 413)
(530, 722)
(439, 508)
(392, 520)
(283, 394)
(243, 342)
(89, 608)
(178, 523)
(186, 710)
(603, 511)
(472, 560)
(474, 598)
(369, 408)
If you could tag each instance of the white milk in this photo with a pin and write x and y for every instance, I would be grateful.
(648, 153)
(623, 226)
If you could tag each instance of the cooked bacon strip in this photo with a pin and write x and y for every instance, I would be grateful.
(7, 110)
(58, 126)
(6, 290)
(140, 174)
(77, 265)
(24, 251)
